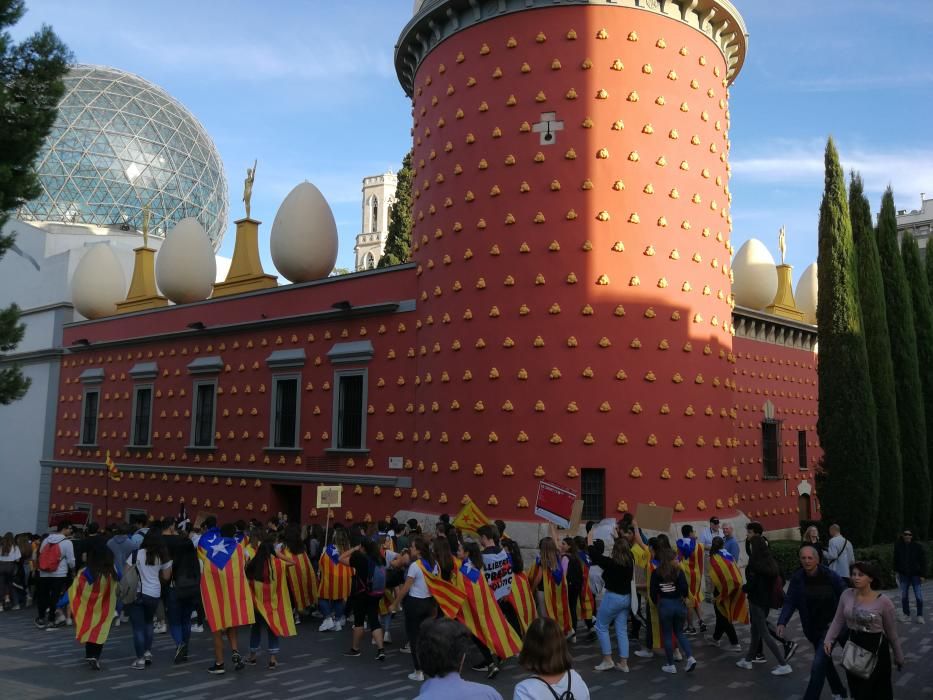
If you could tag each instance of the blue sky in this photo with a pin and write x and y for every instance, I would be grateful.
(309, 88)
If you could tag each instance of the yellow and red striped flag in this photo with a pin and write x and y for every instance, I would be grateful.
(224, 587)
(482, 615)
(446, 594)
(302, 581)
(93, 604)
(727, 580)
(556, 600)
(471, 518)
(272, 601)
(523, 601)
(113, 472)
(335, 577)
(586, 605)
(690, 552)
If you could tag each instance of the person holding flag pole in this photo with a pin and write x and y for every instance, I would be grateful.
(113, 474)
(334, 584)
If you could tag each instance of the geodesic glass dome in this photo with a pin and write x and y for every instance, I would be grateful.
(120, 142)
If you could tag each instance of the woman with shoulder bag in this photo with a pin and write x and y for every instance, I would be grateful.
(153, 565)
(869, 617)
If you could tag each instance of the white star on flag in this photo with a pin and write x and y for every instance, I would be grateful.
(222, 547)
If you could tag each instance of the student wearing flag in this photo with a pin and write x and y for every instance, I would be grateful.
(575, 564)
(729, 601)
(225, 591)
(302, 581)
(668, 590)
(93, 601)
(154, 565)
(690, 552)
(618, 570)
(367, 589)
(334, 585)
(499, 571)
(268, 578)
(550, 585)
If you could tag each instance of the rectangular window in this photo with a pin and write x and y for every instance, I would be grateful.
(802, 449)
(129, 513)
(89, 417)
(285, 412)
(593, 489)
(202, 429)
(771, 447)
(350, 410)
(142, 415)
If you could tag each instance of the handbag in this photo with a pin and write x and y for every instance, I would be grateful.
(859, 661)
(128, 585)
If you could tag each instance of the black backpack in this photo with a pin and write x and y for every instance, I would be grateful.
(186, 573)
(566, 695)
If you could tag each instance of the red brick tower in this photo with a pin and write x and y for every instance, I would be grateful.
(572, 234)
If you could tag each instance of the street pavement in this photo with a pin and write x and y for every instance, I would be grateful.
(49, 664)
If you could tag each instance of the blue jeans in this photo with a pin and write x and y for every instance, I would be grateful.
(178, 613)
(823, 669)
(333, 608)
(908, 582)
(141, 613)
(255, 636)
(672, 614)
(614, 607)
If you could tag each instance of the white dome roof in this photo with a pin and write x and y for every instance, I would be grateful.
(303, 241)
(756, 279)
(806, 293)
(185, 266)
(98, 283)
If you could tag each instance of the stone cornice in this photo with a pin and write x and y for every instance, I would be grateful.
(437, 20)
(766, 328)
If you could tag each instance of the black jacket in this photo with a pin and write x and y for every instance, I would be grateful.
(796, 600)
(909, 558)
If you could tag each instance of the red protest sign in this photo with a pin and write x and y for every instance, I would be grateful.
(555, 504)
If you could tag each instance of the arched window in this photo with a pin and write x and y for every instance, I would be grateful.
(373, 214)
(370, 261)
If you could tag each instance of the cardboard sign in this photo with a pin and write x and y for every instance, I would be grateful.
(329, 496)
(555, 504)
(655, 518)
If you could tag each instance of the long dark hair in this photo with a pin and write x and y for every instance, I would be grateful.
(259, 567)
(6, 544)
(473, 554)
(423, 550)
(668, 569)
(760, 559)
(292, 539)
(154, 544)
(100, 563)
(444, 557)
(718, 543)
(515, 552)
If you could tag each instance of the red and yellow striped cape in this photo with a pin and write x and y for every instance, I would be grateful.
(448, 596)
(556, 600)
(272, 601)
(93, 603)
(523, 600)
(586, 605)
(302, 581)
(727, 582)
(335, 578)
(482, 615)
(693, 571)
(225, 592)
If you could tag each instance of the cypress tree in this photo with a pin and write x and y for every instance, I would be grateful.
(847, 481)
(398, 239)
(928, 261)
(923, 324)
(878, 345)
(907, 387)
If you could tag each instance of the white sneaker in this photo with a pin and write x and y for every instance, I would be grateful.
(416, 676)
(622, 666)
(386, 637)
(669, 668)
(736, 648)
(677, 655)
(194, 614)
(920, 619)
(644, 654)
(714, 642)
(338, 624)
(68, 622)
(691, 664)
(605, 665)
(902, 617)
(197, 628)
(742, 663)
(782, 670)
(327, 625)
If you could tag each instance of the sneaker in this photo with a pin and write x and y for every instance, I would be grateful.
(40, 623)
(181, 654)
(352, 652)
(194, 614)
(669, 668)
(386, 637)
(759, 659)
(903, 617)
(197, 628)
(147, 657)
(622, 666)
(678, 656)
(251, 660)
(217, 669)
(297, 619)
(236, 657)
(481, 667)
(605, 665)
(16, 607)
(690, 631)
(381, 655)
(790, 648)
(94, 664)
(691, 664)
(494, 669)
(406, 648)
(920, 619)
(339, 623)
(159, 628)
(713, 642)
(416, 676)
(327, 625)
(69, 622)
(138, 665)
(735, 647)
(782, 670)
(742, 663)
(644, 654)
(703, 627)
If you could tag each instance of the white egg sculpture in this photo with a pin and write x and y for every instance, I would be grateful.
(756, 279)
(185, 265)
(303, 241)
(806, 293)
(98, 283)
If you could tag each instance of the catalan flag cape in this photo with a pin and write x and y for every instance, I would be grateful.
(523, 600)
(586, 605)
(727, 582)
(556, 601)
(482, 615)
(113, 473)
(93, 604)
(446, 594)
(302, 581)
(272, 601)
(224, 588)
(385, 602)
(471, 518)
(690, 552)
(335, 577)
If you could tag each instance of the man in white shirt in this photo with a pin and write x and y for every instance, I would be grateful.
(839, 553)
(52, 581)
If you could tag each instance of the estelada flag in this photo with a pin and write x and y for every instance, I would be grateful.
(272, 601)
(446, 594)
(113, 472)
(727, 581)
(523, 600)
(471, 518)
(482, 615)
(302, 581)
(335, 577)
(224, 587)
(690, 552)
(586, 605)
(556, 600)
(93, 604)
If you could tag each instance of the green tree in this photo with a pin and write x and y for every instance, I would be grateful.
(928, 261)
(31, 86)
(923, 324)
(880, 366)
(398, 239)
(848, 479)
(907, 386)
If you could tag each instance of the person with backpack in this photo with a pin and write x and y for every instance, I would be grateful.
(764, 588)
(152, 565)
(55, 559)
(669, 590)
(546, 655)
(266, 573)
(93, 602)
(184, 591)
(368, 587)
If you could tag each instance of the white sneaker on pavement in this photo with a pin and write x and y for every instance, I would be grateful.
(416, 676)
(644, 654)
(327, 625)
(920, 619)
(669, 668)
(742, 663)
(604, 665)
(782, 670)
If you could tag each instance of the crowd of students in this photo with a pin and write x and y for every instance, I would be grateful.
(170, 576)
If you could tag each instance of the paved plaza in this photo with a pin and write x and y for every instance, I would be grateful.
(40, 664)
